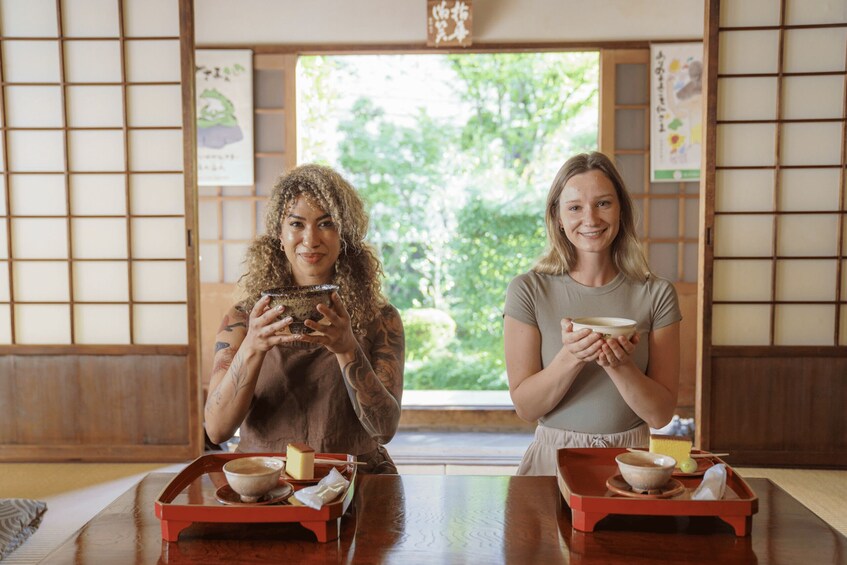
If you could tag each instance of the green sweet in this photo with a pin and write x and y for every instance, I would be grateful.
(688, 466)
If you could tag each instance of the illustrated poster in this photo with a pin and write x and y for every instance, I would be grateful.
(676, 119)
(224, 86)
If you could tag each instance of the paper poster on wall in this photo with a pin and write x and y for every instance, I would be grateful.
(224, 85)
(676, 119)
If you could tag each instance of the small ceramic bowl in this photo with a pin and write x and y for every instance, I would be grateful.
(645, 471)
(253, 477)
(607, 327)
(300, 303)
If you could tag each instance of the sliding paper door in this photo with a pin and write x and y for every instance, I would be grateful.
(97, 231)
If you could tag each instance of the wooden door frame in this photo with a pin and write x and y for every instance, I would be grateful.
(196, 433)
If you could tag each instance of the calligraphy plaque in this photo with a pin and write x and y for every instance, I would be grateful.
(448, 23)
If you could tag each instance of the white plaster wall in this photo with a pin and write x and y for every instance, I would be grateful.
(229, 22)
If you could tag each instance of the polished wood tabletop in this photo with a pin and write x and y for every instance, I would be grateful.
(410, 519)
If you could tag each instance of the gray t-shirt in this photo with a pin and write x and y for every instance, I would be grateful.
(593, 403)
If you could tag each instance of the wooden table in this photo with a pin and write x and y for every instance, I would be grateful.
(439, 519)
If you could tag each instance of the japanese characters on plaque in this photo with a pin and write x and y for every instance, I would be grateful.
(448, 23)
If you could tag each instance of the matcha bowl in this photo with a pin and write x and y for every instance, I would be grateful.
(645, 471)
(300, 302)
(608, 328)
(253, 477)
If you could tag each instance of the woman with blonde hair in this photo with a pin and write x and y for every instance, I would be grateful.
(584, 390)
(339, 389)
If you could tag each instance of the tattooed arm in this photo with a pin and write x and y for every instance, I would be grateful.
(240, 346)
(376, 386)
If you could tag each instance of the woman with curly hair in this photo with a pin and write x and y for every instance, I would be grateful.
(339, 389)
(584, 390)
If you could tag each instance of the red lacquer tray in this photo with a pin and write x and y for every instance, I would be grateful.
(190, 497)
(582, 475)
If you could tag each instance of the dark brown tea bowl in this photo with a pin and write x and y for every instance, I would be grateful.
(301, 302)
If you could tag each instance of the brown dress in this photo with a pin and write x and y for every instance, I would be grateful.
(301, 397)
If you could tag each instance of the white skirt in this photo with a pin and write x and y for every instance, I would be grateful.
(540, 456)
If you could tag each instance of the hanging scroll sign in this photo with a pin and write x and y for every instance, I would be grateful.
(448, 23)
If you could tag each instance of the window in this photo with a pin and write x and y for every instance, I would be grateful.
(454, 155)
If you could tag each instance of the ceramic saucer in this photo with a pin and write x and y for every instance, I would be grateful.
(226, 495)
(321, 471)
(617, 485)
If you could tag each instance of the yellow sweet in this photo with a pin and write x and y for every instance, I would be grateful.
(300, 461)
(677, 447)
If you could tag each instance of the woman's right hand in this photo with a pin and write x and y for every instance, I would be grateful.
(264, 326)
(585, 345)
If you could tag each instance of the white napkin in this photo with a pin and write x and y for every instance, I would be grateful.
(713, 485)
(327, 490)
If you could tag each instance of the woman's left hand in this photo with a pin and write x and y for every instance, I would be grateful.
(617, 351)
(338, 334)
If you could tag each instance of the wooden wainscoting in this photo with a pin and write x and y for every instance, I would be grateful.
(687, 293)
(774, 410)
(115, 407)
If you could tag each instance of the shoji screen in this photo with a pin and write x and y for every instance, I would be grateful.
(775, 364)
(96, 266)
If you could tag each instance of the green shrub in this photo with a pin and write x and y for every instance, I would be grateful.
(428, 331)
(456, 371)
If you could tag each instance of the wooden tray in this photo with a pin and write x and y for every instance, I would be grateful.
(582, 475)
(190, 497)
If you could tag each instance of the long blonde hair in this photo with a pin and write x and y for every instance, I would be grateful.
(358, 271)
(560, 255)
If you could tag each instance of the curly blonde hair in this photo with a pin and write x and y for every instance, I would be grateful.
(560, 256)
(358, 271)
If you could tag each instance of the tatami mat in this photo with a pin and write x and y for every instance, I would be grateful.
(824, 492)
(39, 480)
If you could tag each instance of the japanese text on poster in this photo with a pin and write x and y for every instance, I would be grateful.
(676, 111)
(224, 85)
